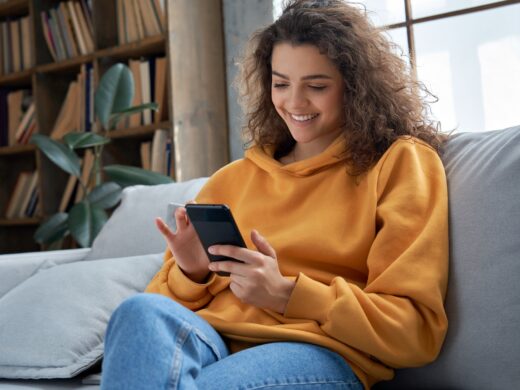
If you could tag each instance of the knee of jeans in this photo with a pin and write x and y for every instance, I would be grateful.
(138, 306)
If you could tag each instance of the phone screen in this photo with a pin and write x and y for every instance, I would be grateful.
(215, 224)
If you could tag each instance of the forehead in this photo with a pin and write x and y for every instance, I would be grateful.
(301, 60)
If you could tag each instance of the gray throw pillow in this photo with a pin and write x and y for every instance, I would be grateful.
(482, 348)
(131, 229)
(53, 324)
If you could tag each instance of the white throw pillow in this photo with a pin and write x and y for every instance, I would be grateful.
(131, 229)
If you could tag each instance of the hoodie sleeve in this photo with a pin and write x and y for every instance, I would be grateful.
(398, 317)
(173, 283)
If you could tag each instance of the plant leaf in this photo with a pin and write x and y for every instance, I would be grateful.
(52, 229)
(127, 176)
(105, 195)
(85, 222)
(84, 140)
(114, 93)
(58, 153)
(117, 116)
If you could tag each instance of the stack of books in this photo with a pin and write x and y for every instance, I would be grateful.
(15, 46)
(150, 86)
(138, 19)
(77, 110)
(156, 154)
(23, 201)
(17, 117)
(68, 29)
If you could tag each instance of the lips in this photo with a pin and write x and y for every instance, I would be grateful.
(303, 118)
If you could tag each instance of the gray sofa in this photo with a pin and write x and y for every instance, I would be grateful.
(54, 306)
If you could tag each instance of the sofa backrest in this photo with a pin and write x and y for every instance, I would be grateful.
(482, 348)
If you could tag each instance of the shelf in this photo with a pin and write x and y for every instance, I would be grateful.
(14, 7)
(146, 46)
(17, 149)
(18, 78)
(138, 131)
(69, 63)
(20, 221)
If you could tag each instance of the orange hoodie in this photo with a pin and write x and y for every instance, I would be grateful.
(369, 255)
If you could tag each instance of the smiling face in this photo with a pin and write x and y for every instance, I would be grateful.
(307, 92)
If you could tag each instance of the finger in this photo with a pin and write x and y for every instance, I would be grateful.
(233, 267)
(191, 202)
(181, 218)
(235, 252)
(164, 228)
(262, 245)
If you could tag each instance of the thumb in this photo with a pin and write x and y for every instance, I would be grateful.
(262, 245)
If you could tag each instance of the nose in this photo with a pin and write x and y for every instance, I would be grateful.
(297, 99)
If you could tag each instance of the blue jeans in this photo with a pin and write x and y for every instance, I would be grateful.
(152, 342)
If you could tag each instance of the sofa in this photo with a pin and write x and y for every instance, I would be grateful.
(54, 306)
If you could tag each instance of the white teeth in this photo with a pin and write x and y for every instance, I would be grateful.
(303, 118)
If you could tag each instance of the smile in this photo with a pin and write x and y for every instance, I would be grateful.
(303, 118)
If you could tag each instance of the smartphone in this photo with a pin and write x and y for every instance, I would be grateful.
(215, 224)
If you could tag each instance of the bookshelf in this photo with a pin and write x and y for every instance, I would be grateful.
(48, 78)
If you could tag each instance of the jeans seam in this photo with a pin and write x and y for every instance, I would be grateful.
(177, 354)
(301, 384)
(207, 341)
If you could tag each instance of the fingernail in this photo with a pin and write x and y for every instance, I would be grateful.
(211, 267)
(211, 250)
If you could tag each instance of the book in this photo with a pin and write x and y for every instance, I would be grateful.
(25, 123)
(15, 113)
(146, 152)
(121, 28)
(159, 141)
(144, 67)
(62, 24)
(135, 119)
(69, 29)
(159, 10)
(15, 46)
(20, 188)
(160, 89)
(86, 32)
(138, 18)
(66, 120)
(151, 24)
(76, 27)
(48, 36)
(130, 21)
(32, 182)
(26, 43)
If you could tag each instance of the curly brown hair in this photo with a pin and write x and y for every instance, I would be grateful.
(383, 101)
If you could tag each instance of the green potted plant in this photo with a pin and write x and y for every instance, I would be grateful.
(85, 219)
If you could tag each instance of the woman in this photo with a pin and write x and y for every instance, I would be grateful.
(342, 198)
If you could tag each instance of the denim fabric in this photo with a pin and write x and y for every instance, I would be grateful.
(153, 342)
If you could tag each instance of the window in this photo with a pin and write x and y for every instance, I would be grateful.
(467, 52)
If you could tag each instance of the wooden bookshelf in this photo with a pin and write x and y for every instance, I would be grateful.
(49, 80)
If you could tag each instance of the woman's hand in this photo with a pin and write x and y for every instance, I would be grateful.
(185, 246)
(256, 281)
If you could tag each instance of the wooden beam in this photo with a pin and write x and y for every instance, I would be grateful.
(198, 99)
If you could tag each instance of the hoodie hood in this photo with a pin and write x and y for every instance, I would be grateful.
(263, 158)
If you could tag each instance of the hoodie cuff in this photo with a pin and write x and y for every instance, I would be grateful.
(185, 288)
(309, 300)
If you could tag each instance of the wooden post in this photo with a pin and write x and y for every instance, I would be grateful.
(198, 101)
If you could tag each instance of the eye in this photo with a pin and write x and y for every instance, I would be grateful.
(280, 85)
(317, 87)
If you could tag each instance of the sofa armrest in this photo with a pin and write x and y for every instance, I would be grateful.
(70, 254)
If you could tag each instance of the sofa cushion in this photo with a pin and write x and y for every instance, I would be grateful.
(482, 348)
(131, 229)
(53, 324)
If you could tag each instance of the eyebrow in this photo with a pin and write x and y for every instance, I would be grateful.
(309, 77)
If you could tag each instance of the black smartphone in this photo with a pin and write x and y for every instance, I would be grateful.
(215, 224)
